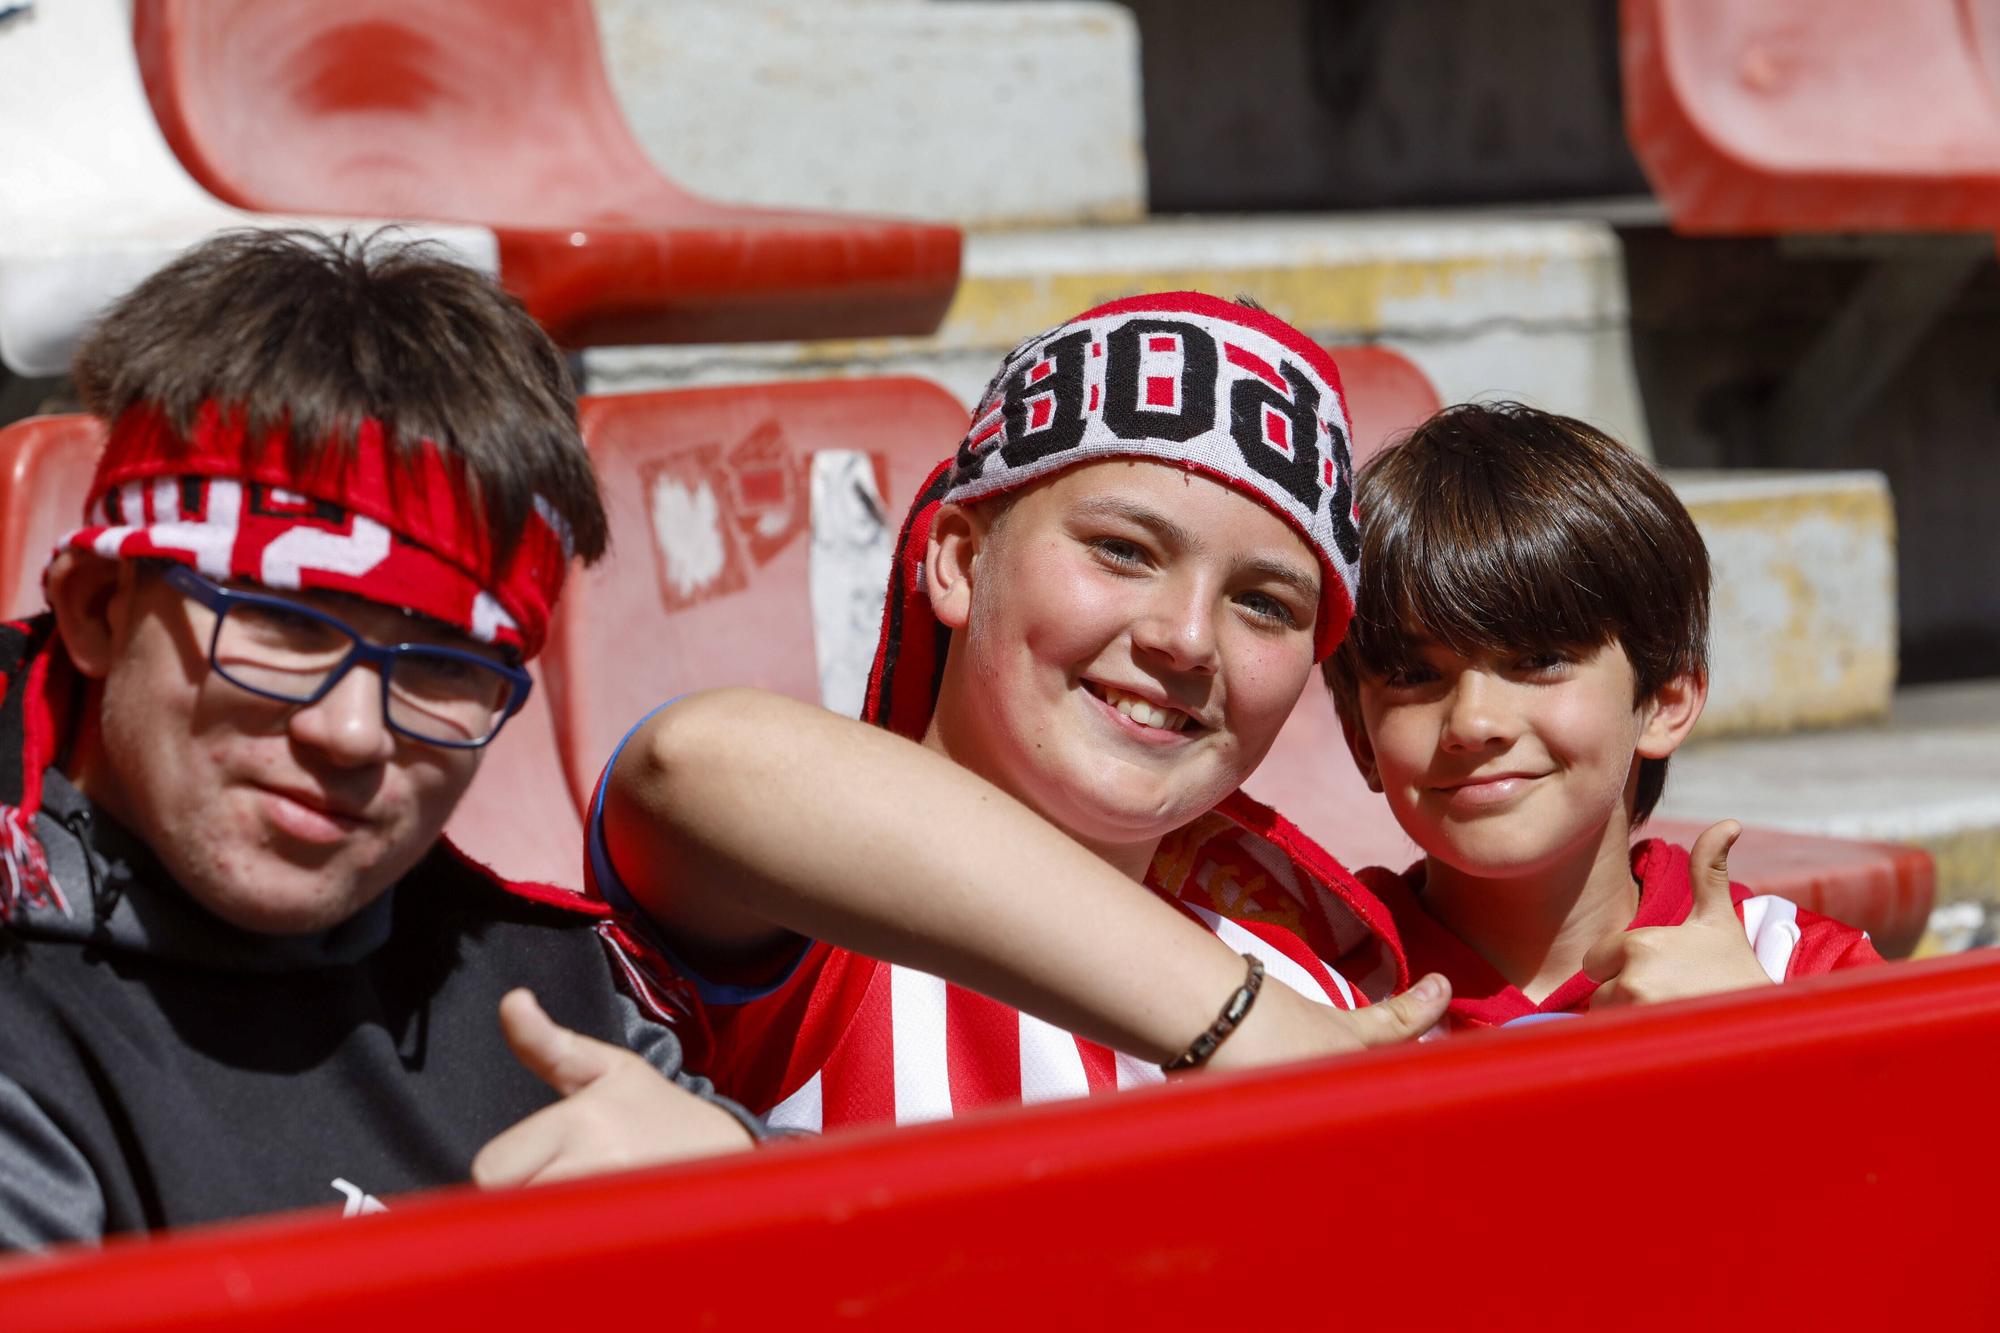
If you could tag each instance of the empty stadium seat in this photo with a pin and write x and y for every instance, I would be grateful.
(1765, 117)
(500, 114)
(1387, 395)
(1846, 1118)
(91, 198)
(517, 818)
(708, 582)
(45, 469)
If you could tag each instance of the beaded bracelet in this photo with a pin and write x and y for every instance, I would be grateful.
(1233, 1014)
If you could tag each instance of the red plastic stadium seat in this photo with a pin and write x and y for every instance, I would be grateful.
(1764, 117)
(45, 469)
(500, 114)
(708, 580)
(1847, 1113)
(517, 818)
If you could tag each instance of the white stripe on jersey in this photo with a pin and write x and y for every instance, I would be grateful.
(1051, 1064)
(1135, 1073)
(917, 1030)
(801, 1110)
(1772, 923)
(1276, 965)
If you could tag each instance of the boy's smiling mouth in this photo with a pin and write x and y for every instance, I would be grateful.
(1143, 712)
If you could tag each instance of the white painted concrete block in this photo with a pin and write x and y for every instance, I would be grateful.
(1803, 616)
(977, 113)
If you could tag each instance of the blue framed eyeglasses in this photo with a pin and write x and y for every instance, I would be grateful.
(288, 651)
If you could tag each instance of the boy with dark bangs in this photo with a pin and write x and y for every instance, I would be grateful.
(1529, 647)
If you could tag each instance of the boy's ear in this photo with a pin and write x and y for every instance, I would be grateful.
(1671, 713)
(957, 533)
(1361, 748)
(91, 596)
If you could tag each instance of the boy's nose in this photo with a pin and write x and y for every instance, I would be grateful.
(1179, 625)
(347, 723)
(1475, 715)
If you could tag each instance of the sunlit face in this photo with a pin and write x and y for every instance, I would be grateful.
(276, 817)
(1505, 766)
(1132, 638)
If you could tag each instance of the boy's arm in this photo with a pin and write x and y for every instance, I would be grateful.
(739, 818)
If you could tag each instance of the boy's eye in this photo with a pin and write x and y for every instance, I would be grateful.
(1542, 664)
(1264, 606)
(1118, 550)
(1403, 677)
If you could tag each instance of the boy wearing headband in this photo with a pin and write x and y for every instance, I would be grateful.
(1102, 610)
(1529, 649)
(239, 968)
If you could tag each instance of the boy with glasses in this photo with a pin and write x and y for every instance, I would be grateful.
(240, 969)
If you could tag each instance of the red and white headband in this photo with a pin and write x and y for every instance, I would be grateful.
(359, 520)
(1180, 378)
(1194, 381)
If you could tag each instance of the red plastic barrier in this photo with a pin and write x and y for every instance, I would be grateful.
(1628, 1171)
(500, 114)
(708, 580)
(1764, 117)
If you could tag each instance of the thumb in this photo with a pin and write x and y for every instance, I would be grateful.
(1606, 958)
(1708, 869)
(1406, 1016)
(566, 1061)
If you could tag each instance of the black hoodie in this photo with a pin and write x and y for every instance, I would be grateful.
(160, 1067)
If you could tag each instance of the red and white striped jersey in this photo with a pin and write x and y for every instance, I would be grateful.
(1789, 941)
(847, 1040)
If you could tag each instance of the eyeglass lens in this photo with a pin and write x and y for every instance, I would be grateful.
(433, 696)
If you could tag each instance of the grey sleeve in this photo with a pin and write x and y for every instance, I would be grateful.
(48, 1193)
(660, 1048)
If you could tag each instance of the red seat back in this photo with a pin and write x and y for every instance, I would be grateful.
(707, 583)
(1844, 1116)
(1760, 117)
(45, 468)
(498, 112)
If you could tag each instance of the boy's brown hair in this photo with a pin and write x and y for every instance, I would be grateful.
(316, 333)
(1500, 528)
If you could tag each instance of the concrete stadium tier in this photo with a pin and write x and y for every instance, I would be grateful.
(889, 106)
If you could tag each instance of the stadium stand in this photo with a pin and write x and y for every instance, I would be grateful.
(1795, 117)
(91, 198)
(502, 116)
(1838, 1117)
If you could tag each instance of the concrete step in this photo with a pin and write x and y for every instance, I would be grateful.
(1487, 304)
(1928, 774)
(1803, 616)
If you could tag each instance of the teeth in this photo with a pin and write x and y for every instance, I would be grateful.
(1145, 714)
